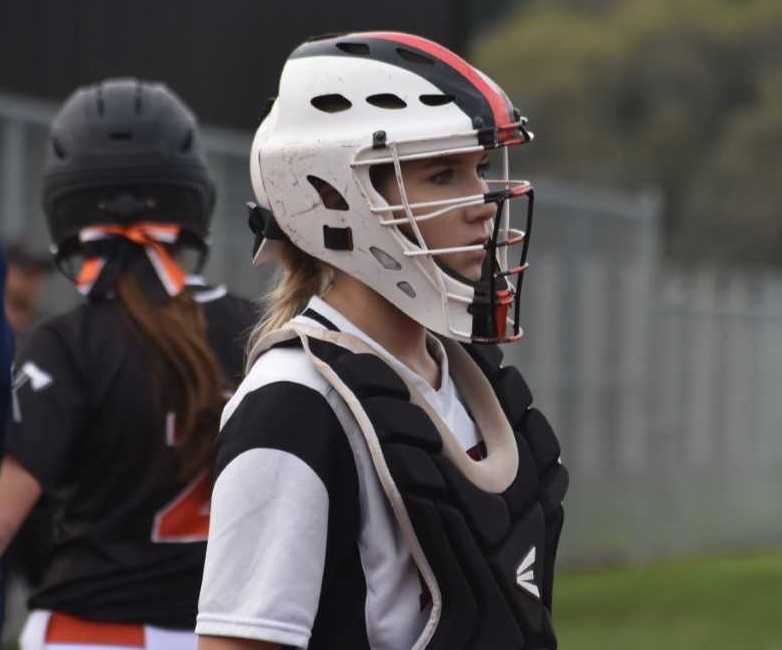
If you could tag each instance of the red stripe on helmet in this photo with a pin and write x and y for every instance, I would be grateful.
(497, 101)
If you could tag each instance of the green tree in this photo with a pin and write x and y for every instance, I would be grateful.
(679, 94)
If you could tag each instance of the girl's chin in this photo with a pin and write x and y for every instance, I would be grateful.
(469, 265)
(472, 272)
(475, 267)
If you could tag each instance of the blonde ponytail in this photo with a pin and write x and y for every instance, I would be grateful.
(300, 276)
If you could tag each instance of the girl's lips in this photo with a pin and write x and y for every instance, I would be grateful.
(478, 254)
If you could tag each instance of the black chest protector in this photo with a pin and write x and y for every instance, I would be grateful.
(491, 554)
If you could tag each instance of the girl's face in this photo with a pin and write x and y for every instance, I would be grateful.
(448, 177)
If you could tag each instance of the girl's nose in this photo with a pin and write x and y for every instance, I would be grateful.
(483, 212)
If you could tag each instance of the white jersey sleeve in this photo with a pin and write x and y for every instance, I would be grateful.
(282, 456)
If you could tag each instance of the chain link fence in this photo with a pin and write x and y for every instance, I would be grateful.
(663, 383)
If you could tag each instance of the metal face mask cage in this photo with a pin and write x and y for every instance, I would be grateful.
(493, 320)
(494, 292)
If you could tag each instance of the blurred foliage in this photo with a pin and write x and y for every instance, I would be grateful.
(719, 603)
(680, 95)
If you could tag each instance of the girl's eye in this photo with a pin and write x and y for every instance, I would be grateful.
(483, 169)
(443, 177)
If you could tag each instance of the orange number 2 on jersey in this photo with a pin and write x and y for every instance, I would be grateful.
(186, 517)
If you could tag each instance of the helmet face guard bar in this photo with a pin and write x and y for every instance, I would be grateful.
(494, 292)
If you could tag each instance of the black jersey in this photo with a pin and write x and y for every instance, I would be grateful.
(128, 534)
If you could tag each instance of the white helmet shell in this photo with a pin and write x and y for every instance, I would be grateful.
(347, 103)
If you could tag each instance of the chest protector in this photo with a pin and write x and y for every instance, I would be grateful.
(483, 534)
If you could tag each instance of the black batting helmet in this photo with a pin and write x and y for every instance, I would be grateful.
(125, 150)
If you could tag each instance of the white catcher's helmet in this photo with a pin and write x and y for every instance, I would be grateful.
(349, 102)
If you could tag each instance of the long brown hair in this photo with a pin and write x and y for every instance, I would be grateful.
(177, 332)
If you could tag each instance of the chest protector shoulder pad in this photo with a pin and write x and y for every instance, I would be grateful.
(488, 556)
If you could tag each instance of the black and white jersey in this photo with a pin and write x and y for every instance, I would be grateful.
(304, 549)
(128, 534)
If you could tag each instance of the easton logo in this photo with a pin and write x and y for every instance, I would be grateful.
(525, 574)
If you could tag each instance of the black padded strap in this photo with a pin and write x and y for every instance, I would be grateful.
(311, 313)
(488, 357)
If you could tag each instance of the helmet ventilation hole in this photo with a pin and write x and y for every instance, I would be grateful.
(386, 261)
(436, 100)
(387, 100)
(360, 49)
(329, 194)
(187, 141)
(406, 288)
(58, 149)
(333, 103)
(137, 99)
(121, 135)
(414, 57)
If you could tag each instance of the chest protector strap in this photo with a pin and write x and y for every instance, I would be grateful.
(483, 534)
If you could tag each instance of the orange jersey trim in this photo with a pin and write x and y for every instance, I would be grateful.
(64, 628)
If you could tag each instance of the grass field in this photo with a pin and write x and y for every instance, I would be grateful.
(724, 603)
(712, 603)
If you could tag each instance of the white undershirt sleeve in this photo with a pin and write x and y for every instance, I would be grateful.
(266, 551)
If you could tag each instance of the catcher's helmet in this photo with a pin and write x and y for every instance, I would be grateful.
(351, 102)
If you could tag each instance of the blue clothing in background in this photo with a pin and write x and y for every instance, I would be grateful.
(6, 352)
(6, 348)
